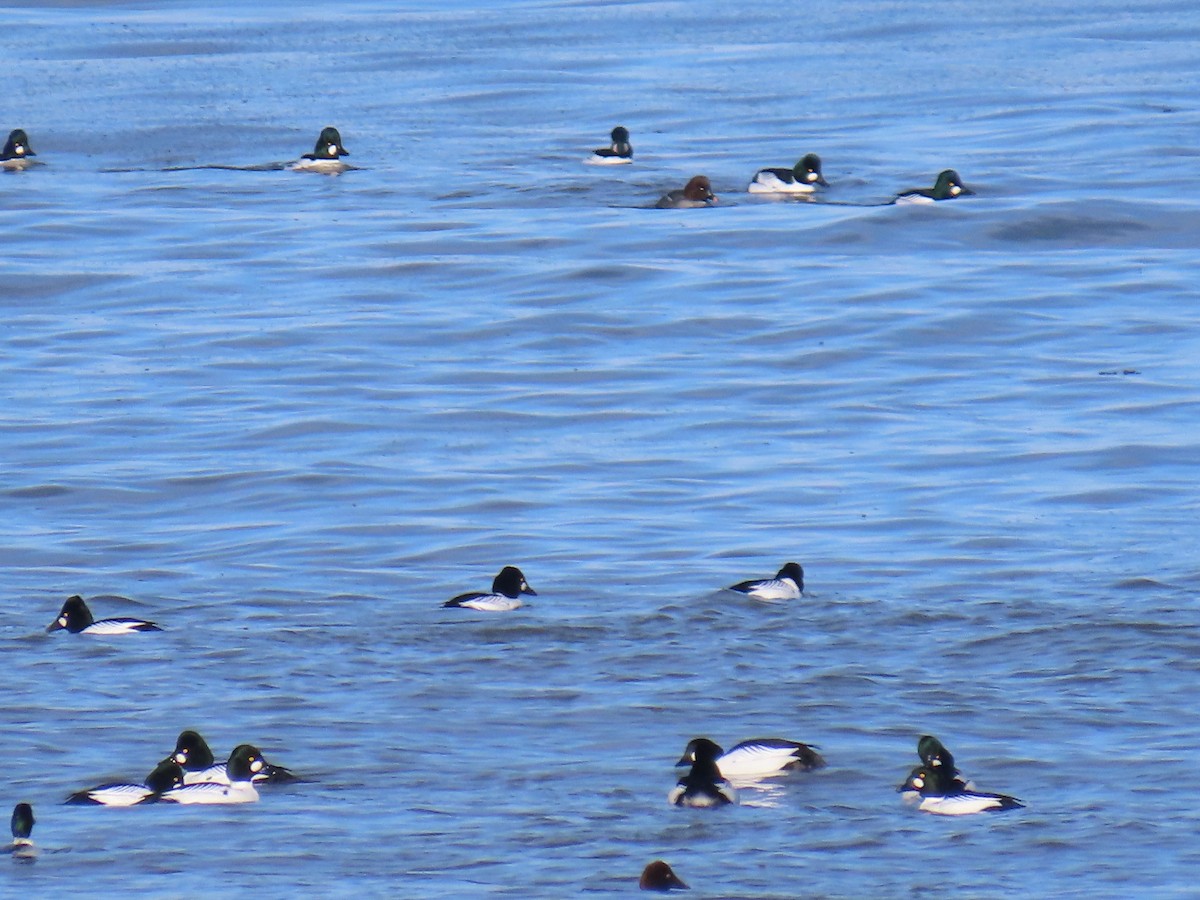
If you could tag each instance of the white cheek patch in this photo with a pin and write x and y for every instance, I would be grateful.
(19, 149)
(918, 783)
(955, 190)
(256, 766)
(810, 177)
(331, 149)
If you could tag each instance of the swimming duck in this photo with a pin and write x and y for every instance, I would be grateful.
(507, 588)
(697, 192)
(788, 584)
(244, 763)
(947, 187)
(802, 178)
(619, 153)
(935, 790)
(22, 829)
(754, 758)
(76, 618)
(704, 785)
(17, 152)
(658, 876)
(166, 776)
(199, 765)
(325, 157)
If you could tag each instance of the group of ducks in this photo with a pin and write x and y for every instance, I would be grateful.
(802, 179)
(507, 589)
(935, 786)
(190, 774)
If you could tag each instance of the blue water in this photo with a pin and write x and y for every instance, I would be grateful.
(287, 415)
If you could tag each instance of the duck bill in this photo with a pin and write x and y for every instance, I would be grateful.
(683, 761)
(57, 625)
(821, 181)
(965, 192)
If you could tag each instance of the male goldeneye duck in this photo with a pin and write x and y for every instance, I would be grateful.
(658, 876)
(619, 153)
(200, 766)
(704, 785)
(244, 763)
(76, 618)
(325, 155)
(788, 584)
(697, 192)
(933, 754)
(802, 178)
(22, 827)
(935, 790)
(947, 187)
(507, 588)
(166, 776)
(16, 151)
(753, 758)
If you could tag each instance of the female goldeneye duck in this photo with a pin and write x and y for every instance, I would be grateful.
(16, 151)
(619, 153)
(704, 785)
(325, 155)
(200, 766)
(802, 178)
(947, 187)
(658, 876)
(76, 618)
(166, 776)
(934, 790)
(788, 584)
(697, 192)
(507, 588)
(753, 758)
(244, 763)
(22, 829)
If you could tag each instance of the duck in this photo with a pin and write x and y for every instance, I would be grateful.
(947, 187)
(704, 786)
(166, 776)
(22, 829)
(697, 192)
(933, 753)
(788, 584)
(619, 153)
(507, 588)
(244, 763)
(199, 765)
(326, 155)
(754, 758)
(17, 151)
(658, 876)
(802, 178)
(76, 618)
(934, 790)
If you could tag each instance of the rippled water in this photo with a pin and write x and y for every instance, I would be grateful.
(288, 415)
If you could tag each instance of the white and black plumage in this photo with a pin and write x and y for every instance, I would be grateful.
(199, 765)
(507, 588)
(934, 790)
(788, 584)
(754, 758)
(76, 618)
(244, 763)
(166, 775)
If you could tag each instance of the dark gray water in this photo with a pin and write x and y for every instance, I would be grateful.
(288, 415)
